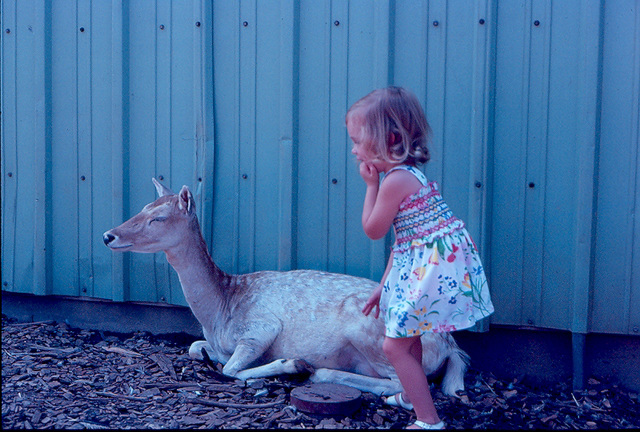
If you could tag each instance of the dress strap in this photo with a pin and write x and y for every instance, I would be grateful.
(413, 170)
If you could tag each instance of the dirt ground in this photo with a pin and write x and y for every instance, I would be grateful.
(56, 377)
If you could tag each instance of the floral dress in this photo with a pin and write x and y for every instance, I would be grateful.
(436, 282)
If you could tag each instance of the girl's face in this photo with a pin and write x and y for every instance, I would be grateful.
(362, 148)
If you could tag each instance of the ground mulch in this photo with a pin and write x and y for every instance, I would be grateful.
(57, 377)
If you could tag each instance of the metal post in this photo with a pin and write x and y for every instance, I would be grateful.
(578, 344)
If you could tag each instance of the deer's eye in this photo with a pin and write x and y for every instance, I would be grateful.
(158, 219)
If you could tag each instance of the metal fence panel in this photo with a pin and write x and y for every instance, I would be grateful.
(98, 97)
(616, 284)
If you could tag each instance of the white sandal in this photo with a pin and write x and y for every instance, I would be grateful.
(423, 425)
(396, 400)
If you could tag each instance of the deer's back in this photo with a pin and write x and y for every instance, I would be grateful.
(302, 287)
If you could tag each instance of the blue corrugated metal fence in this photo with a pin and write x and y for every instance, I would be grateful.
(534, 106)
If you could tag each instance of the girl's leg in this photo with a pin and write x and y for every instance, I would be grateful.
(416, 350)
(402, 353)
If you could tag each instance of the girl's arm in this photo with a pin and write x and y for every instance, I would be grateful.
(382, 201)
(374, 299)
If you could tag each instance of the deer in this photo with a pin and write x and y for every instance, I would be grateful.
(270, 323)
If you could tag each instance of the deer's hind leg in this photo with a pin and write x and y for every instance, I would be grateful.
(251, 350)
(378, 386)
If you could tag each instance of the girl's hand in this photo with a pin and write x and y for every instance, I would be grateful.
(369, 173)
(373, 302)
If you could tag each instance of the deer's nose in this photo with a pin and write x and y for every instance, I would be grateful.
(108, 238)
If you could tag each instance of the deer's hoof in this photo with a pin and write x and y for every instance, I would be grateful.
(195, 350)
(302, 366)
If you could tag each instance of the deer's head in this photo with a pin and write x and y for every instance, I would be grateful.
(158, 227)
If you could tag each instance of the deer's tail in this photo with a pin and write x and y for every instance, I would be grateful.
(456, 367)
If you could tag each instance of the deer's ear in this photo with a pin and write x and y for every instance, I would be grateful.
(186, 200)
(161, 189)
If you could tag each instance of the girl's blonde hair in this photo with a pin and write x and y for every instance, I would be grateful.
(394, 123)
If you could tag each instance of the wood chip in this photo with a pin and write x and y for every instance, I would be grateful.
(510, 393)
(165, 364)
(122, 351)
(235, 405)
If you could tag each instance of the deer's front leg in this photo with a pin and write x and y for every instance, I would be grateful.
(276, 367)
(252, 342)
(246, 352)
(195, 352)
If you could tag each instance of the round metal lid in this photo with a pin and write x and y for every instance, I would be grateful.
(322, 398)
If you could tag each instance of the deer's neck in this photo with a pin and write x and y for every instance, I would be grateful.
(203, 283)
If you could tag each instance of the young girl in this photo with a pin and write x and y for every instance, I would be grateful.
(434, 281)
